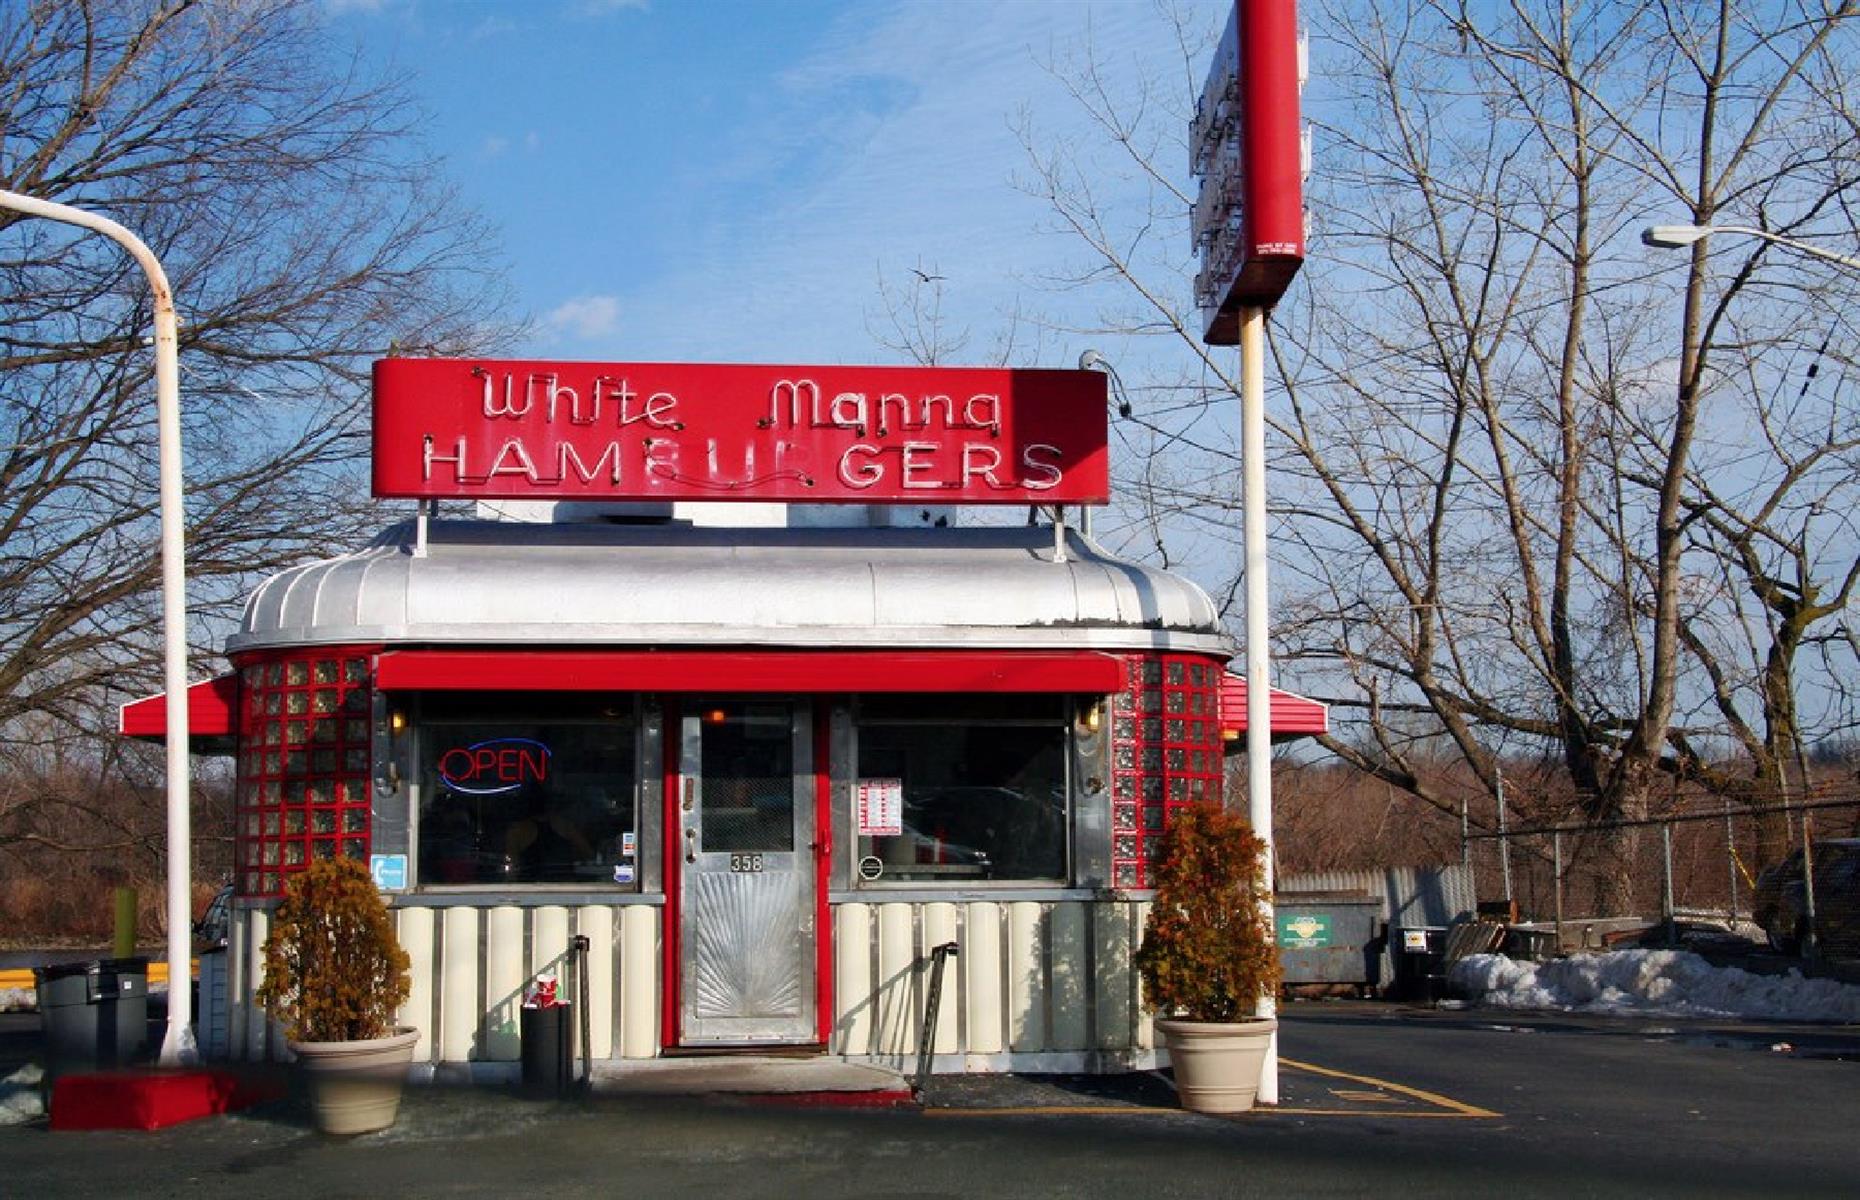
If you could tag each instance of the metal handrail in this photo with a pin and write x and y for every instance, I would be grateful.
(927, 1038)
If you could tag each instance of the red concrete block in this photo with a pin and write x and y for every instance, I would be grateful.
(154, 1099)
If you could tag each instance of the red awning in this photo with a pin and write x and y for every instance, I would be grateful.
(212, 713)
(1292, 715)
(1074, 671)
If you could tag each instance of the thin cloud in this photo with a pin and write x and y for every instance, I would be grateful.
(585, 317)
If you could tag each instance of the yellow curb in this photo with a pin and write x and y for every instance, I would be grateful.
(21, 977)
(1456, 1107)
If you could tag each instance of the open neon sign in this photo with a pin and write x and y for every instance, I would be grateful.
(494, 767)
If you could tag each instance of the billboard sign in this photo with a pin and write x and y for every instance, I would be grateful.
(500, 430)
(1247, 147)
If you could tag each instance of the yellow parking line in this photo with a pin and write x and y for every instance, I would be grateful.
(1446, 1108)
(1457, 1107)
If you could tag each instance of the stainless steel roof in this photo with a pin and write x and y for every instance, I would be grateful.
(490, 583)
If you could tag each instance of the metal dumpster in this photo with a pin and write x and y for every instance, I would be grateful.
(1328, 937)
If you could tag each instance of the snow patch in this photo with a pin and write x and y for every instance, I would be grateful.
(1652, 982)
(20, 1101)
(18, 1000)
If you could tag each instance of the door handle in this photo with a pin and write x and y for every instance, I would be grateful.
(690, 845)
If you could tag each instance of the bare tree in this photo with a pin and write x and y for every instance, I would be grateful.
(1502, 424)
(305, 234)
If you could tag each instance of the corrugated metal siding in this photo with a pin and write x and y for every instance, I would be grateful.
(1410, 896)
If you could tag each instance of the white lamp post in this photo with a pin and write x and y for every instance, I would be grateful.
(178, 1042)
(1673, 236)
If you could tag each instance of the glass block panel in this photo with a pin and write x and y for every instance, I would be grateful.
(1153, 758)
(1198, 674)
(268, 882)
(252, 676)
(1124, 702)
(1153, 819)
(1152, 671)
(248, 882)
(274, 733)
(293, 854)
(1176, 674)
(355, 670)
(274, 791)
(274, 703)
(324, 670)
(294, 820)
(1176, 702)
(296, 733)
(1177, 730)
(1125, 757)
(296, 703)
(319, 792)
(354, 848)
(274, 674)
(1124, 845)
(355, 701)
(1153, 850)
(322, 762)
(268, 854)
(323, 700)
(295, 762)
(1125, 728)
(251, 825)
(271, 823)
(355, 759)
(322, 820)
(1178, 760)
(1123, 816)
(296, 673)
(325, 730)
(1124, 875)
(1178, 788)
(355, 729)
(355, 820)
(1152, 788)
(323, 847)
(1152, 702)
(1198, 789)
(1152, 729)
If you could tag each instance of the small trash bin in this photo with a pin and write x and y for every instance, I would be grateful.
(94, 1014)
(548, 1038)
(1420, 957)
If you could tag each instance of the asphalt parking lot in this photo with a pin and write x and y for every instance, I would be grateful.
(1375, 1098)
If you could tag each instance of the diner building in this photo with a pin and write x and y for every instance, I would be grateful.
(763, 740)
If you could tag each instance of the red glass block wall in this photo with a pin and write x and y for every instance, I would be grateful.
(1165, 753)
(303, 765)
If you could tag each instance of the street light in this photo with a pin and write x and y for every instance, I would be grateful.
(178, 1041)
(1674, 236)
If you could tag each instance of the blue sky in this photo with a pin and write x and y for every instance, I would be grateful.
(722, 180)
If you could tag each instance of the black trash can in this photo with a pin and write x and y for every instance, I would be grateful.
(548, 1037)
(94, 1014)
(1420, 958)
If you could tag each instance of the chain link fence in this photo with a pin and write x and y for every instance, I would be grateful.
(1695, 866)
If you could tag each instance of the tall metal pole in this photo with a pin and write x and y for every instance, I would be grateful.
(1504, 837)
(178, 1041)
(1258, 657)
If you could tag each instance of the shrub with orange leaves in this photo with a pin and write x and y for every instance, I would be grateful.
(334, 971)
(1208, 951)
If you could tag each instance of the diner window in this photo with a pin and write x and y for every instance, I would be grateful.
(961, 789)
(303, 766)
(547, 796)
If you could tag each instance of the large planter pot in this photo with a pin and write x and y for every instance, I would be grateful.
(1217, 1064)
(355, 1086)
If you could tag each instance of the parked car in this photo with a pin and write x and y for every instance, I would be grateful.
(1781, 900)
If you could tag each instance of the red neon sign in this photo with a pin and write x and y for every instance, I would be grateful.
(689, 431)
(495, 767)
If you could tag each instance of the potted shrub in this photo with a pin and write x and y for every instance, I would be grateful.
(334, 974)
(1208, 956)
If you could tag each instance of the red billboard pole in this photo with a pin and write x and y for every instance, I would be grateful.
(1247, 146)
